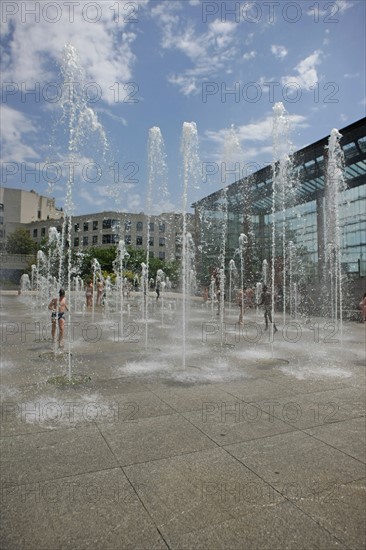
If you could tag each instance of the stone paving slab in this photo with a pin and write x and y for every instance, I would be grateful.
(153, 429)
(280, 526)
(297, 460)
(228, 422)
(315, 409)
(189, 492)
(340, 509)
(41, 456)
(94, 510)
(186, 398)
(348, 436)
(145, 439)
(252, 391)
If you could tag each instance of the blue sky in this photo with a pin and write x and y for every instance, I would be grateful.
(178, 61)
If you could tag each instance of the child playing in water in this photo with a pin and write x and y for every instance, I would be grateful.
(362, 306)
(266, 301)
(58, 307)
(89, 295)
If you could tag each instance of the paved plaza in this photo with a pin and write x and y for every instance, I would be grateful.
(238, 443)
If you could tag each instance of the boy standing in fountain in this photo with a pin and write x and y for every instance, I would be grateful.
(266, 300)
(157, 289)
(240, 302)
(58, 307)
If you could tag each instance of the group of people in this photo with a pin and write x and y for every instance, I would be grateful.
(58, 307)
(89, 293)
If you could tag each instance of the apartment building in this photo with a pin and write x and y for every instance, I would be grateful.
(18, 207)
(109, 227)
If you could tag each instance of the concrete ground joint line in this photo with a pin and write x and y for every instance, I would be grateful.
(146, 510)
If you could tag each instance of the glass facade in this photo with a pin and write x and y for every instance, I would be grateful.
(300, 210)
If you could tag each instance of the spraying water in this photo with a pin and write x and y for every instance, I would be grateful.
(280, 187)
(282, 180)
(335, 185)
(157, 181)
(121, 255)
(243, 241)
(291, 252)
(189, 149)
(224, 210)
(265, 271)
(232, 275)
(80, 122)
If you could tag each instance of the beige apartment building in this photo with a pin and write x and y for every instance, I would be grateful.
(36, 213)
(18, 207)
(108, 228)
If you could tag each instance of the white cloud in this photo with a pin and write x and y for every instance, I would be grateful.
(107, 112)
(208, 52)
(249, 55)
(334, 9)
(104, 46)
(187, 83)
(16, 130)
(133, 202)
(254, 139)
(279, 51)
(90, 198)
(306, 71)
(353, 75)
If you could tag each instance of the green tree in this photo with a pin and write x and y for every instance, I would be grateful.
(20, 242)
(132, 264)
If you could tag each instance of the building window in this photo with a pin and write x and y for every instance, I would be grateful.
(1, 220)
(128, 226)
(128, 239)
(43, 232)
(138, 240)
(115, 238)
(76, 241)
(151, 241)
(95, 225)
(161, 255)
(77, 227)
(151, 226)
(1, 206)
(162, 227)
(95, 239)
(108, 224)
(139, 226)
(85, 241)
(35, 233)
(151, 254)
(106, 239)
(161, 241)
(86, 226)
(39, 214)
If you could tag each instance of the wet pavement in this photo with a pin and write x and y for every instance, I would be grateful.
(231, 441)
